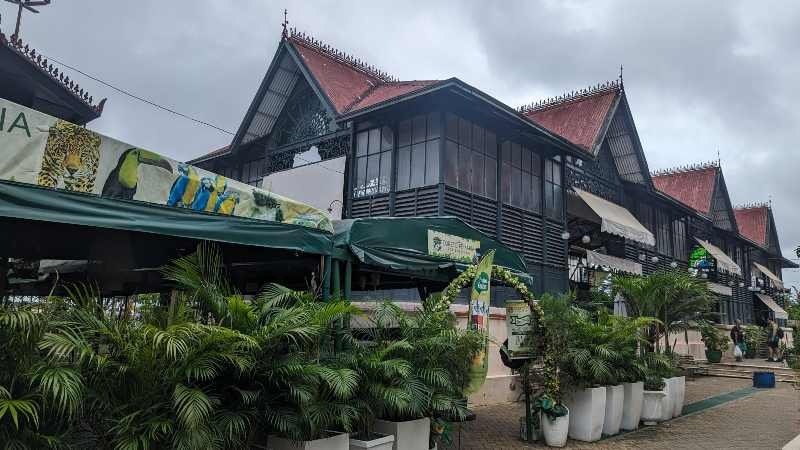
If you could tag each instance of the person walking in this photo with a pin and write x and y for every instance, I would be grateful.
(737, 336)
(774, 335)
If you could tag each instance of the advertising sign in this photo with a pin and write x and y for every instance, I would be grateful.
(519, 326)
(480, 298)
(452, 247)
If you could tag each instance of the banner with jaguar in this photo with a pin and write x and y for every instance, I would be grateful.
(39, 149)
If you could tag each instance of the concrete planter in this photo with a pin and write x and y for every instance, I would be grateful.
(408, 435)
(335, 442)
(615, 398)
(555, 431)
(666, 402)
(652, 402)
(380, 442)
(678, 394)
(587, 412)
(632, 405)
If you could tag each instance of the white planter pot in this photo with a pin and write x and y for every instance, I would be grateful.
(632, 405)
(615, 397)
(380, 442)
(666, 402)
(408, 435)
(587, 410)
(678, 395)
(652, 401)
(555, 431)
(335, 442)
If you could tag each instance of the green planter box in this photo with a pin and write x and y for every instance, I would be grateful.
(713, 356)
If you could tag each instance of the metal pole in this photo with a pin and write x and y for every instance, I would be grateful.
(348, 279)
(326, 278)
(528, 416)
(337, 290)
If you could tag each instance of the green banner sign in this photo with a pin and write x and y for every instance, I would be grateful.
(479, 318)
(39, 149)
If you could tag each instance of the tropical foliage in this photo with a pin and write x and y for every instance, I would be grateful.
(712, 338)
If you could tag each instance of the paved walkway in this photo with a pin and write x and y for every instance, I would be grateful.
(766, 419)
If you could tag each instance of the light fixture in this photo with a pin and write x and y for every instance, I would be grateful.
(673, 264)
(741, 284)
(586, 239)
(579, 162)
(565, 235)
(654, 259)
(762, 291)
(642, 257)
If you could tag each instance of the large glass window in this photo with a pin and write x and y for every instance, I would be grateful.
(663, 238)
(553, 190)
(522, 176)
(470, 157)
(373, 161)
(679, 250)
(418, 151)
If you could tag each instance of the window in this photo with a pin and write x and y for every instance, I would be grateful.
(418, 151)
(373, 161)
(253, 172)
(553, 191)
(645, 216)
(522, 176)
(679, 240)
(663, 244)
(470, 157)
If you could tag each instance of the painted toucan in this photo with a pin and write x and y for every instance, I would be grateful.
(185, 187)
(123, 180)
(201, 199)
(227, 203)
(220, 184)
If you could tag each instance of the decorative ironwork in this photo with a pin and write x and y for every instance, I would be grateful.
(608, 86)
(36, 59)
(592, 183)
(330, 148)
(686, 168)
(339, 56)
(303, 117)
(753, 205)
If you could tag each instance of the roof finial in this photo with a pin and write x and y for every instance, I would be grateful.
(285, 23)
(719, 160)
(620, 76)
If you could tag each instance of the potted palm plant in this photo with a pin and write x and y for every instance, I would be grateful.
(754, 339)
(715, 342)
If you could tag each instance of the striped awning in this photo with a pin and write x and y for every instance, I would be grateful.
(615, 219)
(723, 261)
(594, 259)
(780, 313)
(768, 273)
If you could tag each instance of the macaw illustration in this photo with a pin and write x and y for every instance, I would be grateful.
(185, 187)
(226, 203)
(123, 180)
(203, 194)
(220, 185)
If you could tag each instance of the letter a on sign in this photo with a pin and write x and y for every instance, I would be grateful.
(479, 318)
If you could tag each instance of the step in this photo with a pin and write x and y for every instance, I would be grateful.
(746, 375)
(784, 373)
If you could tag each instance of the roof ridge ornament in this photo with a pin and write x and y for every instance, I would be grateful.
(753, 205)
(599, 88)
(339, 56)
(16, 44)
(686, 168)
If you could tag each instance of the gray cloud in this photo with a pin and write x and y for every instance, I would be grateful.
(700, 76)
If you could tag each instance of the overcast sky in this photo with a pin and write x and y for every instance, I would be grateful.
(700, 77)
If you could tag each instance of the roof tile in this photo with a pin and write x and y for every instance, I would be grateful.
(389, 91)
(692, 187)
(752, 223)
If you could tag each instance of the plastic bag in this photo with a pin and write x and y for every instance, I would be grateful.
(737, 352)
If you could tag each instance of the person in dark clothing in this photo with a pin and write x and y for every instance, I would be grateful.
(774, 336)
(737, 336)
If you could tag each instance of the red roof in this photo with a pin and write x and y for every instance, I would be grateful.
(692, 187)
(752, 223)
(579, 119)
(212, 154)
(389, 91)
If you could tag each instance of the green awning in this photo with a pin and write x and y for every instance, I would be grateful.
(420, 244)
(24, 201)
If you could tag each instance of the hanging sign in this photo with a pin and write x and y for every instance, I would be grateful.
(45, 151)
(519, 327)
(479, 318)
(701, 259)
(449, 246)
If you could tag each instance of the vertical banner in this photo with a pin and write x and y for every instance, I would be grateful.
(479, 319)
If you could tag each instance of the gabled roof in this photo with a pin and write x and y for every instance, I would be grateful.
(222, 151)
(693, 186)
(581, 117)
(36, 70)
(752, 221)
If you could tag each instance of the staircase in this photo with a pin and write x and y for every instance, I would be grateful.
(746, 368)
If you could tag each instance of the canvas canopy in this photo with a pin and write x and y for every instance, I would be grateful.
(613, 218)
(779, 312)
(723, 261)
(422, 244)
(41, 150)
(768, 273)
(594, 259)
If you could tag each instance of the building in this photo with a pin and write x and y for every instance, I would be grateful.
(564, 181)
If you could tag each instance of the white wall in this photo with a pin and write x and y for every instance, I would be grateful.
(317, 185)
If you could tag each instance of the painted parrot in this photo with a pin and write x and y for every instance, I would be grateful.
(185, 187)
(203, 195)
(122, 181)
(220, 185)
(227, 203)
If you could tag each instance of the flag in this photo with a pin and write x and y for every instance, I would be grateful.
(480, 298)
